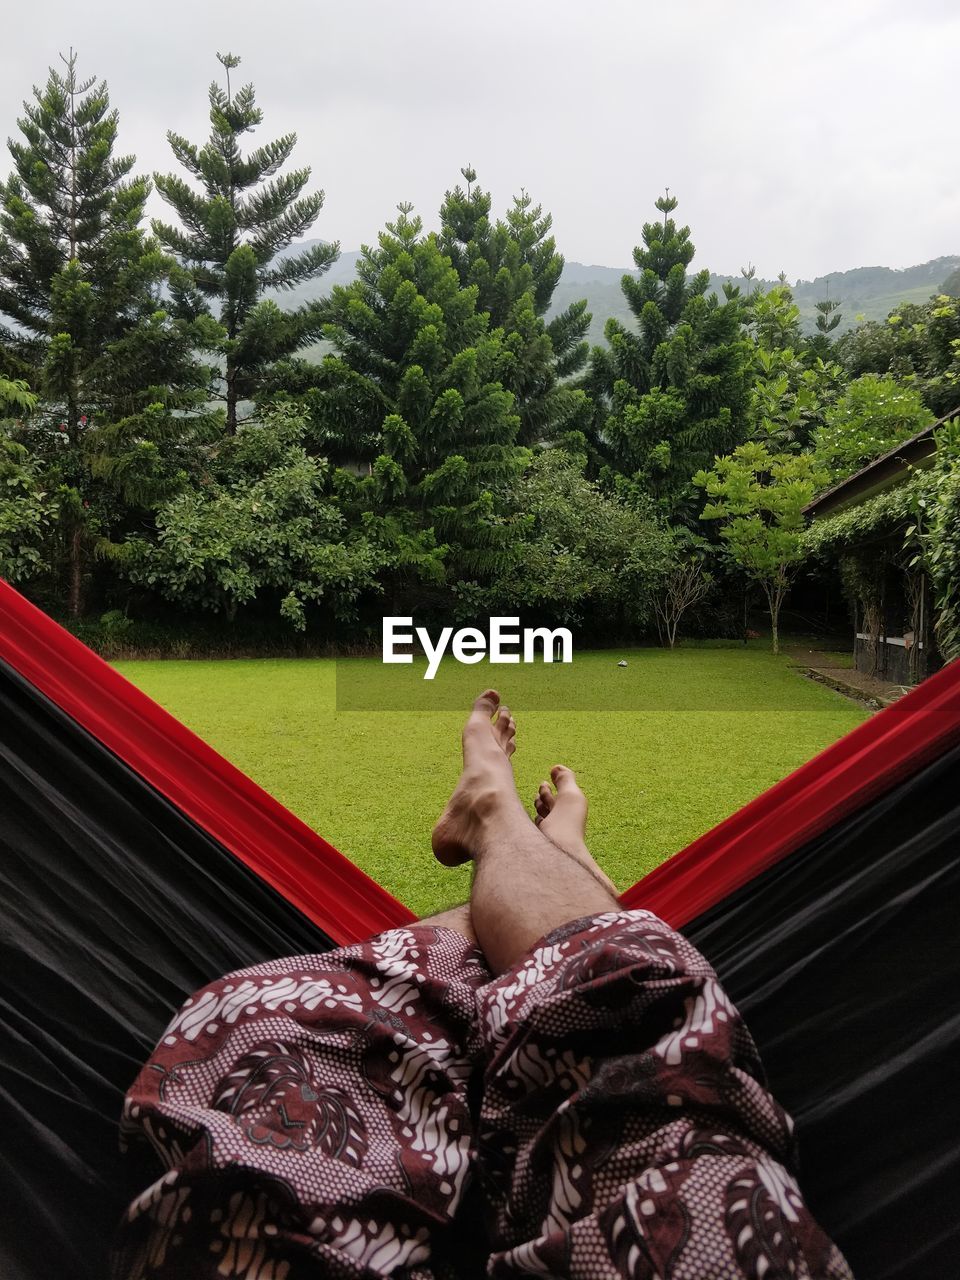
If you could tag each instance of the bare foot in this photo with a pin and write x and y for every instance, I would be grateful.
(562, 817)
(486, 786)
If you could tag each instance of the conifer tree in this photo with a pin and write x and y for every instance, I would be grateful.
(416, 399)
(120, 387)
(828, 319)
(515, 267)
(232, 233)
(670, 393)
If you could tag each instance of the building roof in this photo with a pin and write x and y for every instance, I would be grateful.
(886, 472)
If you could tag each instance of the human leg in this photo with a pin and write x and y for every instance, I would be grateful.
(562, 817)
(521, 888)
(456, 918)
(625, 1127)
(311, 1112)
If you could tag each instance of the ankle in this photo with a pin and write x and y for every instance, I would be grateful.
(495, 814)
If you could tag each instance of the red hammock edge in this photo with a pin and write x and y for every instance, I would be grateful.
(345, 902)
(308, 871)
(844, 778)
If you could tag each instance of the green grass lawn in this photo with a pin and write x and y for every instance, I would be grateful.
(373, 782)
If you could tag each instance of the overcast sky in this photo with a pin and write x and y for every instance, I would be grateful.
(806, 138)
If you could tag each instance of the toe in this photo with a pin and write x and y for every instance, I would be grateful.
(505, 729)
(486, 704)
(480, 722)
(564, 779)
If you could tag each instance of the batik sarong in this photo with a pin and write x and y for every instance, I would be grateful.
(392, 1109)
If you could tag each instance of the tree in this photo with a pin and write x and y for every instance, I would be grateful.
(515, 266)
(683, 582)
(578, 555)
(26, 509)
(415, 405)
(918, 344)
(233, 231)
(828, 319)
(791, 398)
(118, 377)
(759, 497)
(774, 318)
(261, 524)
(871, 416)
(673, 392)
(792, 388)
(15, 397)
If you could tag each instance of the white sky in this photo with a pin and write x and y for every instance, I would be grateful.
(809, 138)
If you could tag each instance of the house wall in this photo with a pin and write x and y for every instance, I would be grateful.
(889, 659)
(904, 652)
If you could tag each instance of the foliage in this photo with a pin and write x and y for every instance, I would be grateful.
(232, 235)
(773, 317)
(874, 518)
(828, 316)
(459, 441)
(414, 404)
(865, 294)
(918, 344)
(27, 511)
(261, 522)
(871, 416)
(16, 396)
(760, 498)
(684, 581)
(120, 380)
(579, 556)
(515, 267)
(790, 397)
(671, 392)
(937, 530)
(791, 387)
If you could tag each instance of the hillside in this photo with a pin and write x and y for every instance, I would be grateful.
(868, 293)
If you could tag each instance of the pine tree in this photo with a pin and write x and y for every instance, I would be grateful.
(415, 404)
(119, 383)
(233, 231)
(515, 267)
(672, 392)
(829, 316)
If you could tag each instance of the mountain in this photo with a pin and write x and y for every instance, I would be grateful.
(864, 293)
(867, 293)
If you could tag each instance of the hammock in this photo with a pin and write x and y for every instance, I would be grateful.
(137, 864)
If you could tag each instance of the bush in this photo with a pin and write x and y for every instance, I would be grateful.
(871, 416)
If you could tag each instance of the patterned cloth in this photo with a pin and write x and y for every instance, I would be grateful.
(391, 1109)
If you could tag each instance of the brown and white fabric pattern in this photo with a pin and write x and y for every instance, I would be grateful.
(390, 1109)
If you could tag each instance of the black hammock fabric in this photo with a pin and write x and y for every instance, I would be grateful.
(843, 957)
(845, 961)
(114, 908)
